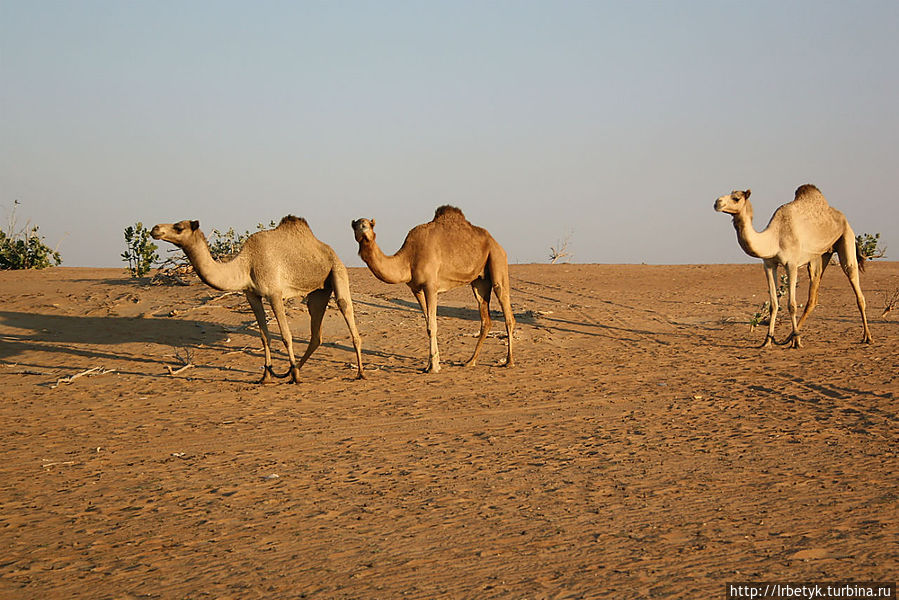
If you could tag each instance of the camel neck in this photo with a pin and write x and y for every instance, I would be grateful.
(227, 276)
(389, 269)
(758, 244)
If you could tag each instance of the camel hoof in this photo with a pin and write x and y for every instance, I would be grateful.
(267, 376)
(769, 341)
(361, 375)
(795, 342)
(867, 340)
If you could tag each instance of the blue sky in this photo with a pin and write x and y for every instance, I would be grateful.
(614, 123)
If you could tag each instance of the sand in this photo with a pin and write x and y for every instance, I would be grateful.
(642, 447)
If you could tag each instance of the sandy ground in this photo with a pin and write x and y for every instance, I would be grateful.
(642, 447)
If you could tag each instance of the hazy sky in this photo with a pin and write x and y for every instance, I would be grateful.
(614, 123)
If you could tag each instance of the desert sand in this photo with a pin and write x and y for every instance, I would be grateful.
(642, 446)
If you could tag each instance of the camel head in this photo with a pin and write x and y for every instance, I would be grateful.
(364, 230)
(180, 233)
(734, 203)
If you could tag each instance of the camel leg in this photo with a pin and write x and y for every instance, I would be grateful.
(256, 304)
(816, 268)
(501, 288)
(423, 303)
(481, 289)
(792, 277)
(849, 262)
(341, 284)
(428, 301)
(316, 304)
(277, 302)
(771, 276)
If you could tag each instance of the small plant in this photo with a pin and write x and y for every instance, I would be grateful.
(140, 252)
(24, 248)
(763, 315)
(869, 246)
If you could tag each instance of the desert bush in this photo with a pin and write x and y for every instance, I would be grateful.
(869, 246)
(224, 245)
(140, 251)
(24, 248)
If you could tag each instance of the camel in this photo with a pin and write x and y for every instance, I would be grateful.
(276, 264)
(806, 231)
(438, 256)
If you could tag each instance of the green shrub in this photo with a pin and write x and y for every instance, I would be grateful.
(869, 246)
(140, 252)
(225, 245)
(25, 249)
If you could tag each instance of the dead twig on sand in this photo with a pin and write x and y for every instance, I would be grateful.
(174, 372)
(890, 300)
(71, 378)
(241, 351)
(185, 360)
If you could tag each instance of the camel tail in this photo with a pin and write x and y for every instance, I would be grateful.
(862, 259)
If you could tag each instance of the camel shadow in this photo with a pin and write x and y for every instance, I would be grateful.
(442, 311)
(40, 331)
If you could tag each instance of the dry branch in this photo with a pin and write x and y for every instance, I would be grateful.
(890, 300)
(92, 371)
(174, 372)
(559, 251)
(186, 362)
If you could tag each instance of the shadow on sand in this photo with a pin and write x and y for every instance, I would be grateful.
(101, 331)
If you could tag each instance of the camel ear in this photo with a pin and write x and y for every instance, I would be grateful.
(194, 225)
(372, 223)
(746, 194)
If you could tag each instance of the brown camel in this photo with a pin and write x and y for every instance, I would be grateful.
(276, 265)
(439, 256)
(806, 231)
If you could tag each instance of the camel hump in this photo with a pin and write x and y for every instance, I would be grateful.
(447, 212)
(808, 191)
(291, 220)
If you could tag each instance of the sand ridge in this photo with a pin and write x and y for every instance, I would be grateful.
(641, 447)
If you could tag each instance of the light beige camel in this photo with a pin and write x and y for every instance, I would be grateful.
(439, 256)
(806, 231)
(276, 265)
